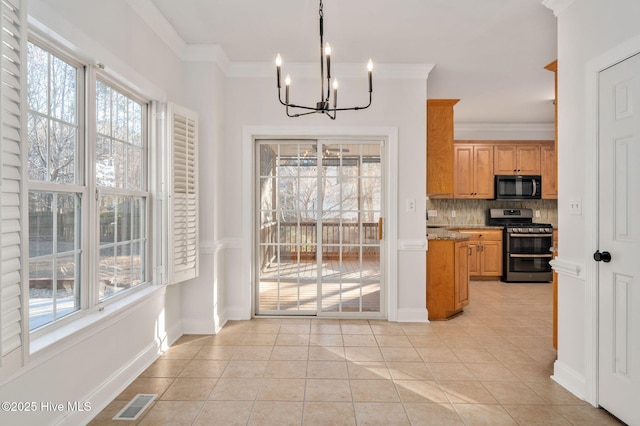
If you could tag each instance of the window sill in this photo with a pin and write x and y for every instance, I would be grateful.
(90, 322)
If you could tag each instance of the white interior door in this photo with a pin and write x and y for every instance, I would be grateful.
(318, 247)
(619, 240)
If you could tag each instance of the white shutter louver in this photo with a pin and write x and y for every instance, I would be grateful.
(183, 200)
(13, 221)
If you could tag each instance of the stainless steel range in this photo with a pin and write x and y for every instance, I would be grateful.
(525, 245)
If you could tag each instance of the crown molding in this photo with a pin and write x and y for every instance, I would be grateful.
(341, 70)
(506, 131)
(558, 6)
(151, 15)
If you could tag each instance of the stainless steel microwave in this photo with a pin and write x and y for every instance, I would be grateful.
(513, 187)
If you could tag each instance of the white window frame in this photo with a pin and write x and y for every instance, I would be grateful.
(86, 156)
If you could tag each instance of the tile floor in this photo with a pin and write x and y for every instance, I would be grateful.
(489, 366)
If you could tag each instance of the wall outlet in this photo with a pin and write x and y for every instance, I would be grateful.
(453, 213)
(537, 213)
(432, 213)
(575, 206)
(411, 205)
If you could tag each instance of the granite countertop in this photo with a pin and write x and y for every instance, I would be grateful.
(446, 234)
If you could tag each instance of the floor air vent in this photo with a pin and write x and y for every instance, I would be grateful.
(136, 406)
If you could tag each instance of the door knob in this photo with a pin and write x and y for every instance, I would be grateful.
(605, 256)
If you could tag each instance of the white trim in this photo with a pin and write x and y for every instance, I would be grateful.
(207, 53)
(151, 15)
(249, 133)
(558, 6)
(413, 245)
(412, 315)
(341, 70)
(570, 379)
(567, 267)
(593, 69)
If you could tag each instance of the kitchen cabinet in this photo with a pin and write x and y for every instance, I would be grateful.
(486, 253)
(440, 147)
(549, 171)
(473, 171)
(447, 278)
(521, 159)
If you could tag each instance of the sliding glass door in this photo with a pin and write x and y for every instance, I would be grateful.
(319, 228)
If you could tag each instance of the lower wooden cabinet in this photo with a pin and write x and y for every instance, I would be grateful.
(447, 278)
(486, 253)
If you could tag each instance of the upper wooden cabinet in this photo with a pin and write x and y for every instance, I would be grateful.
(440, 147)
(521, 159)
(473, 171)
(549, 171)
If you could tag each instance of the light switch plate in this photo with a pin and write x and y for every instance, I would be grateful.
(575, 206)
(432, 213)
(411, 205)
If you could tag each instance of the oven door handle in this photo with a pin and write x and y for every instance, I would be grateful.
(530, 255)
(529, 235)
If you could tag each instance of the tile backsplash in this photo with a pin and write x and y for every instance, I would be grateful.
(474, 212)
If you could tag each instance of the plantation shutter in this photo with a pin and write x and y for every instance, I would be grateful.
(12, 151)
(183, 197)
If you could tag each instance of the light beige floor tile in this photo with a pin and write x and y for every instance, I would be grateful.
(189, 389)
(236, 390)
(290, 353)
(267, 328)
(587, 416)
(453, 341)
(513, 393)
(363, 353)
(400, 355)
(416, 329)
(327, 370)
(204, 368)
(374, 391)
(326, 328)
(228, 413)
(227, 339)
(325, 340)
(439, 354)
(105, 417)
(359, 340)
(409, 371)
(426, 341)
(330, 353)
(450, 371)
(327, 390)
(259, 339)
(286, 370)
(292, 328)
(429, 414)
(292, 340)
(554, 394)
(192, 340)
(367, 370)
(467, 392)
(420, 391)
(255, 353)
(165, 368)
(154, 385)
(530, 372)
(491, 372)
(216, 352)
(478, 355)
(382, 414)
(172, 413)
(245, 369)
(329, 414)
(535, 415)
(387, 329)
(484, 414)
(397, 341)
(276, 413)
(282, 390)
(356, 329)
(181, 352)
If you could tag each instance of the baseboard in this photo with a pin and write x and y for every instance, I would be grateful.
(200, 327)
(413, 315)
(113, 386)
(569, 379)
(236, 314)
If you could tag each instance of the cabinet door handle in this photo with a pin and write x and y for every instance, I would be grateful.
(380, 228)
(470, 251)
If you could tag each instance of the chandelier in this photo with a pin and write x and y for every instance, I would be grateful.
(323, 106)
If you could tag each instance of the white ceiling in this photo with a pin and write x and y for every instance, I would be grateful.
(490, 54)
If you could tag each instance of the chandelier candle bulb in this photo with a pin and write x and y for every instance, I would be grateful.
(370, 69)
(327, 54)
(335, 93)
(278, 65)
(287, 83)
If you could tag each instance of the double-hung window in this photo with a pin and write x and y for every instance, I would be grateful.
(87, 168)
